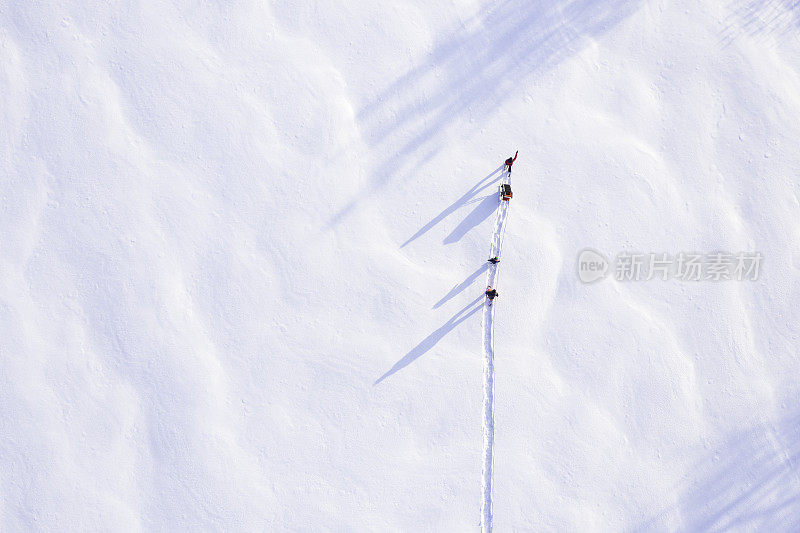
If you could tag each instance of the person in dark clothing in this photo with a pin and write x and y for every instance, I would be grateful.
(494, 260)
(510, 161)
(491, 293)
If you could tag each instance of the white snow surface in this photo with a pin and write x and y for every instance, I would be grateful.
(244, 244)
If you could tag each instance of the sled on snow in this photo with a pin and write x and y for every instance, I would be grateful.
(505, 191)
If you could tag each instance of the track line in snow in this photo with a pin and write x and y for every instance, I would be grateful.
(488, 365)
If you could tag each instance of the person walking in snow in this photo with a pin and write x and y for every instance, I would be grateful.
(510, 161)
(491, 293)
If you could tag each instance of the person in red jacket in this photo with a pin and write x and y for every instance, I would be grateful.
(510, 160)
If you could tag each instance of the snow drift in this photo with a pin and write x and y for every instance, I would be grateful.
(222, 223)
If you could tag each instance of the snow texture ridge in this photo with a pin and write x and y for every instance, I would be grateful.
(242, 264)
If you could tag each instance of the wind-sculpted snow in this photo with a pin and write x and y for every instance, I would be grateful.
(222, 222)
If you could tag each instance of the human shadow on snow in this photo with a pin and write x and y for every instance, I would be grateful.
(431, 340)
(750, 483)
(481, 212)
(463, 200)
(461, 286)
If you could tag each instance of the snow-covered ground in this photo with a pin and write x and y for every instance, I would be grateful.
(243, 257)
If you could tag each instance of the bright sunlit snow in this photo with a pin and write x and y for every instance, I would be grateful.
(244, 256)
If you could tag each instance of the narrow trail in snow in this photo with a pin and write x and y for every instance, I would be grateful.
(488, 365)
